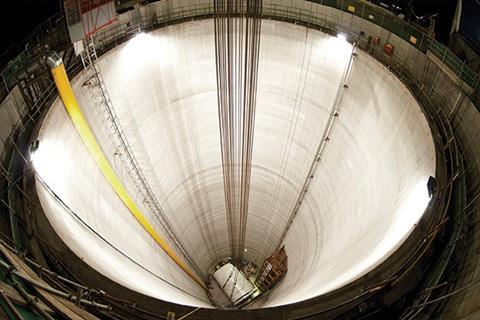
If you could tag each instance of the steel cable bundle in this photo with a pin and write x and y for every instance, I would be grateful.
(237, 43)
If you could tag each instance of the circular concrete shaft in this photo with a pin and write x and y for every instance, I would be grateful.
(366, 195)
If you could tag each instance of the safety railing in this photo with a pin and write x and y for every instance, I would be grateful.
(423, 87)
(119, 33)
(53, 33)
(50, 35)
(408, 32)
(449, 161)
(454, 63)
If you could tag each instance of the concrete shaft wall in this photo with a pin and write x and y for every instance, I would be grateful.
(12, 110)
(464, 274)
(366, 195)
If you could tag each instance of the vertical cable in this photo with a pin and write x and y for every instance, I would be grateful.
(90, 63)
(237, 44)
(332, 118)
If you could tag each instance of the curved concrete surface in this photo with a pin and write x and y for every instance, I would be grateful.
(367, 193)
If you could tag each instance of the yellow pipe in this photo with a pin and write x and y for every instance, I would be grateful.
(86, 134)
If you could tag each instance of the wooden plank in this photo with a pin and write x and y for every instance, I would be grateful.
(61, 305)
(19, 300)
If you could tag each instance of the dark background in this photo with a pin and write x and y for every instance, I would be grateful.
(18, 18)
(470, 23)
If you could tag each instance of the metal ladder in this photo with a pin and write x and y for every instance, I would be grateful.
(89, 59)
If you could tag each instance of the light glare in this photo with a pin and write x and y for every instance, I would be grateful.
(342, 36)
(145, 51)
(49, 161)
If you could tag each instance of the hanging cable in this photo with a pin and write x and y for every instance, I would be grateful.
(85, 132)
(321, 146)
(237, 44)
(97, 234)
(287, 147)
(90, 63)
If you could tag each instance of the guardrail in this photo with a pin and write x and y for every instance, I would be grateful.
(448, 150)
(406, 31)
(49, 35)
(424, 87)
(53, 34)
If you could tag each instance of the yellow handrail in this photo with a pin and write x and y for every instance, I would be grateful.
(71, 105)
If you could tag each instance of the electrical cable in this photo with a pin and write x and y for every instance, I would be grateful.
(131, 164)
(76, 216)
(322, 144)
(237, 45)
(287, 147)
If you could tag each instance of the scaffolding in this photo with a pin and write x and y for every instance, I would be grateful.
(89, 59)
(273, 270)
(424, 82)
